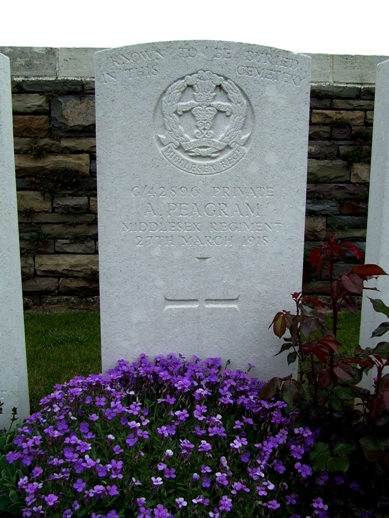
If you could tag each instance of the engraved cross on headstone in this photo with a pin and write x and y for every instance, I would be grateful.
(205, 302)
(208, 303)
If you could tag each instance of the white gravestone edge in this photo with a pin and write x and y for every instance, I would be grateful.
(377, 236)
(13, 365)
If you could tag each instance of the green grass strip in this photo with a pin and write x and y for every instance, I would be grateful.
(59, 347)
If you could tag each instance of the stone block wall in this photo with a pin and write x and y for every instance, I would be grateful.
(55, 158)
(340, 135)
(55, 162)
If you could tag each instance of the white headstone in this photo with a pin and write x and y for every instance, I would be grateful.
(13, 366)
(202, 157)
(377, 239)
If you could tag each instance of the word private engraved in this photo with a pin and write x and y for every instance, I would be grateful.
(203, 123)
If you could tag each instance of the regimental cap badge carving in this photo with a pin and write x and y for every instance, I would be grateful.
(204, 122)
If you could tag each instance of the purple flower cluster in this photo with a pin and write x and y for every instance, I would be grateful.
(166, 438)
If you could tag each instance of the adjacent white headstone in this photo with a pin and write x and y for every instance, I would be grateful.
(202, 157)
(13, 366)
(377, 240)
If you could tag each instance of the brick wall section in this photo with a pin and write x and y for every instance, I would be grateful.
(340, 134)
(55, 157)
(55, 161)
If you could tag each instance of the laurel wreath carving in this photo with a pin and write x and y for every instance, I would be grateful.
(171, 119)
(169, 104)
(240, 109)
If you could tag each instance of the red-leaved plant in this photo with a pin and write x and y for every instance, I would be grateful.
(354, 421)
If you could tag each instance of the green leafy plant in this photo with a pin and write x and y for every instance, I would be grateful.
(57, 180)
(354, 438)
(92, 275)
(28, 211)
(357, 154)
(362, 135)
(36, 150)
(341, 123)
(39, 236)
(79, 238)
(74, 210)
